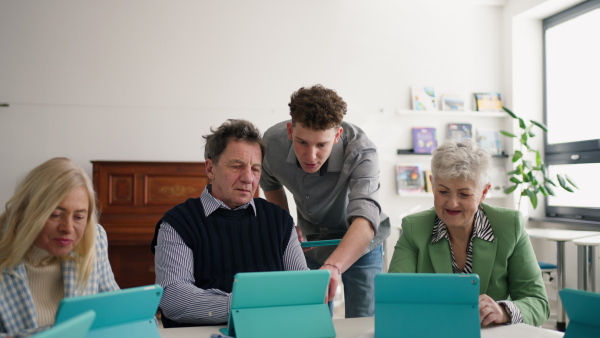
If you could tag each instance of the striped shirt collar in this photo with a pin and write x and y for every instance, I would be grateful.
(482, 228)
(211, 204)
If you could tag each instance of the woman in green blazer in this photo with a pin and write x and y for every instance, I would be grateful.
(463, 235)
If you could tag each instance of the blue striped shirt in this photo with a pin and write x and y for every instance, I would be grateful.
(483, 230)
(184, 302)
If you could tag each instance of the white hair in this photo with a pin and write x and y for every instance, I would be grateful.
(461, 160)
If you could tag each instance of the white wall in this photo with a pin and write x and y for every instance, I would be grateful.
(143, 80)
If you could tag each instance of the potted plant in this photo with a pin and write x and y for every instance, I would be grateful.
(531, 177)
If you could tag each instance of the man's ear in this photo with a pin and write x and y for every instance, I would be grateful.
(208, 165)
(290, 130)
(338, 134)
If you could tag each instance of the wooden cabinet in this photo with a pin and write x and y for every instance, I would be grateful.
(133, 196)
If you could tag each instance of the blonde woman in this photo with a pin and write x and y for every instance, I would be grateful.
(51, 247)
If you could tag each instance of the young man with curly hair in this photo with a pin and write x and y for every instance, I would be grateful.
(332, 170)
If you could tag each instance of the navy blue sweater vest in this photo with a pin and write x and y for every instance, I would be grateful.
(229, 241)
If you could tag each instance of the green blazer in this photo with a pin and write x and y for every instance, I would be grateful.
(507, 267)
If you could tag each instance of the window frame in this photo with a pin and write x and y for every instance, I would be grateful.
(581, 152)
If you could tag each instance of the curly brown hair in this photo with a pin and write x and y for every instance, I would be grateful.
(317, 108)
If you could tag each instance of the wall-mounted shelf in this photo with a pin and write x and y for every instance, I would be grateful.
(440, 119)
(430, 194)
(411, 152)
(454, 113)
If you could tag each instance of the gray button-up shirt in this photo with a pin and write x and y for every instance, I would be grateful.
(347, 185)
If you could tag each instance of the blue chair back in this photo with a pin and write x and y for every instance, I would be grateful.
(582, 309)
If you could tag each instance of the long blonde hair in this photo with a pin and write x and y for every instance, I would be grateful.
(35, 198)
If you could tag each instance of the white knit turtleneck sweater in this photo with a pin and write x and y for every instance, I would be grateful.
(45, 282)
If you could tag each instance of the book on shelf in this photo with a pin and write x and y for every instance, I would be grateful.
(453, 103)
(489, 140)
(423, 98)
(409, 178)
(424, 140)
(459, 131)
(488, 101)
(427, 187)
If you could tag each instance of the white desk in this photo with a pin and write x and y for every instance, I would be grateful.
(364, 328)
(560, 236)
(586, 258)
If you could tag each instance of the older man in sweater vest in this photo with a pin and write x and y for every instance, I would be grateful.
(201, 244)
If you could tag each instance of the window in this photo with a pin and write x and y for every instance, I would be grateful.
(572, 106)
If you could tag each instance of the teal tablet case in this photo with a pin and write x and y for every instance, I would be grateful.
(323, 239)
(280, 304)
(76, 327)
(320, 243)
(123, 313)
(582, 308)
(427, 305)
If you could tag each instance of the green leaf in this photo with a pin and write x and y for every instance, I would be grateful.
(538, 158)
(550, 190)
(522, 124)
(515, 180)
(510, 189)
(561, 180)
(510, 112)
(531, 133)
(527, 164)
(505, 133)
(517, 155)
(534, 201)
(544, 170)
(531, 177)
(524, 139)
(533, 197)
(526, 178)
(539, 124)
(571, 181)
(543, 190)
(563, 183)
(514, 172)
(551, 182)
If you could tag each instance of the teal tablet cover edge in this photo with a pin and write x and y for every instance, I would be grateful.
(280, 303)
(112, 313)
(408, 302)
